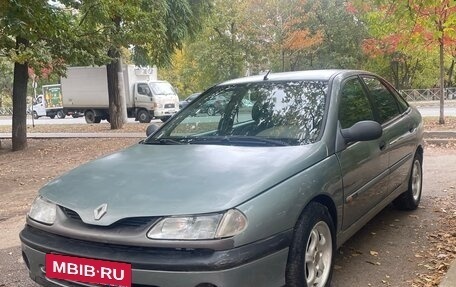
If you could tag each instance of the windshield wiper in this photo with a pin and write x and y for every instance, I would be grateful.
(238, 140)
(164, 141)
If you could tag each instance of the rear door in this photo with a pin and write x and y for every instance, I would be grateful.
(364, 165)
(393, 114)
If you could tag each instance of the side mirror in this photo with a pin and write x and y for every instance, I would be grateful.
(151, 129)
(362, 131)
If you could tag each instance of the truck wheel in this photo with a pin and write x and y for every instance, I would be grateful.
(35, 115)
(52, 116)
(61, 115)
(143, 116)
(89, 117)
(97, 120)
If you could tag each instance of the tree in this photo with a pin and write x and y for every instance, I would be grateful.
(436, 21)
(32, 34)
(153, 28)
(407, 26)
(249, 37)
(6, 82)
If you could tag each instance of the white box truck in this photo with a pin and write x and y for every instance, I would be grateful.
(85, 90)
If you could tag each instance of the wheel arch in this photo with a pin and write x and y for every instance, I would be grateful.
(326, 201)
(420, 151)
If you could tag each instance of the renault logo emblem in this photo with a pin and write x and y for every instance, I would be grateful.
(100, 211)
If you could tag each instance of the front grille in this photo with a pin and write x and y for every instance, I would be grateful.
(169, 106)
(130, 222)
(70, 213)
(68, 283)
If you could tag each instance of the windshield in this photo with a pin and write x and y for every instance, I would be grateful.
(259, 114)
(162, 88)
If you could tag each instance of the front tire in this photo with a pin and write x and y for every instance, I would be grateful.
(410, 199)
(144, 116)
(35, 115)
(311, 254)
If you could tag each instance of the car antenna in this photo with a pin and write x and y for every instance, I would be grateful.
(266, 76)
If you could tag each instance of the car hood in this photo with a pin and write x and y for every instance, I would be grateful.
(160, 180)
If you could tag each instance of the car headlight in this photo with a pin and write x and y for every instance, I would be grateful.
(200, 227)
(43, 211)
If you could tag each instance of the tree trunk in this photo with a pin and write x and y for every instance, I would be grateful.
(115, 101)
(442, 84)
(19, 128)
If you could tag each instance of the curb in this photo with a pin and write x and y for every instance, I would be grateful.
(450, 277)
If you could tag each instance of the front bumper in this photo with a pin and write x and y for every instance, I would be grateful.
(260, 263)
(159, 113)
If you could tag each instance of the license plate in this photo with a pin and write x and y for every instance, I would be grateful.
(88, 270)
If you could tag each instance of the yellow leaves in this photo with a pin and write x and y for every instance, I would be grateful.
(373, 253)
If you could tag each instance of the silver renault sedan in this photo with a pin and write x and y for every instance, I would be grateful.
(256, 195)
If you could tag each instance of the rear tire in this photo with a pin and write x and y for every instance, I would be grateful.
(61, 115)
(52, 116)
(311, 254)
(90, 117)
(410, 199)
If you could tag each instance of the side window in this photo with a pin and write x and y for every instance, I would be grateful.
(354, 104)
(143, 89)
(403, 105)
(383, 99)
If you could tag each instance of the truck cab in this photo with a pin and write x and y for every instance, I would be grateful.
(49, 104)
(155, 99)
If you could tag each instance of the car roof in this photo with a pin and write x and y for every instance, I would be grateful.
(319, 75)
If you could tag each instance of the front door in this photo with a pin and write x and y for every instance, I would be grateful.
(364, 165)
(143, 96)
(40, 106)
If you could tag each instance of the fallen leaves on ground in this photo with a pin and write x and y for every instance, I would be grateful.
(443, 245)
(432, 124)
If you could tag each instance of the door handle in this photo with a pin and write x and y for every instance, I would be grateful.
(382, 145)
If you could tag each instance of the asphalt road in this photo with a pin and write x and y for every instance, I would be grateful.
(435, 111)
(6, 121)
(383, 253)
(426, 111)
